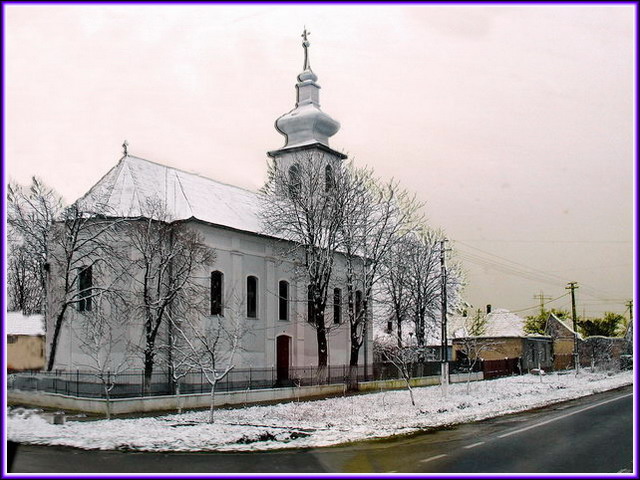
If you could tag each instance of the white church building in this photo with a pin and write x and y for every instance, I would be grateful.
(248, 261)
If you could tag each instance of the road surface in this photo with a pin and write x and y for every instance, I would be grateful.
(589, 435)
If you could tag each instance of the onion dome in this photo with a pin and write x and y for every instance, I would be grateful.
(306, 124)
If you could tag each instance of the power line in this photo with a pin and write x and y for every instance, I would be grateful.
(530, 273)
(537, 306)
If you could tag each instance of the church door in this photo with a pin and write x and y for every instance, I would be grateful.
(283, 343)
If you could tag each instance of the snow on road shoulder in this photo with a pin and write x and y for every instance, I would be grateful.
(315, 423)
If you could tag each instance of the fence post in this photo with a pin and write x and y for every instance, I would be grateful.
(142, 383)
(77, 382)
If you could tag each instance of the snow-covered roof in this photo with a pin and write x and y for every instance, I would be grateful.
(128, 187)
(568, 324)
(499, 323)
(18, 324)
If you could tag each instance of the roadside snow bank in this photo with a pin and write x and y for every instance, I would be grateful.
(317, 423)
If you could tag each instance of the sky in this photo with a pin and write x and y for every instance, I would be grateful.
(514, 124)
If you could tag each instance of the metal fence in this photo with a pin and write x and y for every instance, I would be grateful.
(132, 384)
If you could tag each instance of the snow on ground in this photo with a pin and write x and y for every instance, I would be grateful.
(314, 423)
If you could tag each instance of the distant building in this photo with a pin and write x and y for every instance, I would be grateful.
(25, 341)
(596, 351)
(499, 335)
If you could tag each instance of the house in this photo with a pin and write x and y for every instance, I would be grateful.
(596, 351)
(25, 341)
(564, 339)
(252, 277)
(499, 335)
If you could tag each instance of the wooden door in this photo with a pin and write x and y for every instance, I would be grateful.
(283, 343)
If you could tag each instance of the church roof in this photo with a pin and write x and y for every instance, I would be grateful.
(128, 187)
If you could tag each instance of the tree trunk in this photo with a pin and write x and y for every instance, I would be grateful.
(321, 335)
(178, 398)
(353, 364)
(213, 393)
(56, 337)
(407, 379)
(107, 400)
(148, 369)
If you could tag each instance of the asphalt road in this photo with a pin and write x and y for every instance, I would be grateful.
(589, 435)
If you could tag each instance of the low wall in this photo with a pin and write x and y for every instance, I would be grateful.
(202, 400)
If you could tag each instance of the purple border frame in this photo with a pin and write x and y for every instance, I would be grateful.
(155, 3)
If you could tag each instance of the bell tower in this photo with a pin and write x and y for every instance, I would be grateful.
(306, 128)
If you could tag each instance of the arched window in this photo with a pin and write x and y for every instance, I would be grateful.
(328, 178)
(252, 297)
(358, 303)
(295, 183)
(85, 282)
(283, 300)
(337, 305)
(217, 285)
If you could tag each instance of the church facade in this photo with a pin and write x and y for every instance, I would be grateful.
(251, 276)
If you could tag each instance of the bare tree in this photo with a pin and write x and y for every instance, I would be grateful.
(425, 282)
(395, 287)
(375, 217)
(102, 336)
(166, 255)
(177, 358)
(209, 345)
(403, 357)
(83, 246)
(24, 290)
(30, 213)
(302, 209)
(472, 345)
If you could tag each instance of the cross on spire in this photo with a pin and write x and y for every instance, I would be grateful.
(125, 148)
(305, 45)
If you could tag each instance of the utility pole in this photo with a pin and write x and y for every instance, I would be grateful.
(542, 297)
(444, 346)
(572, 286)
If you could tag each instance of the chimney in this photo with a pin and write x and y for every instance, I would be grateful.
(488, 308)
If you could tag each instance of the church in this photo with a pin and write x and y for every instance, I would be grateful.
(249, 275)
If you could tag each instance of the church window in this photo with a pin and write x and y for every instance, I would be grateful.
(217, 284)
(252, 297)
(295, 183)
(337, 305)
(283, 300)
(85, 282)
(328, 178)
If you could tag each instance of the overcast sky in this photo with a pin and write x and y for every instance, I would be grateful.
(514, 124)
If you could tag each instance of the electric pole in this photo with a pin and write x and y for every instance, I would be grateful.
(572, 286)
(542, 297)
(444, 346)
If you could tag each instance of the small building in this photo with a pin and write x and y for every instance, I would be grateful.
(564, 338)
(596, 351)
(25, 341)
(499, 335)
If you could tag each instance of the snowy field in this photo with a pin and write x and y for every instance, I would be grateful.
(315, 423)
